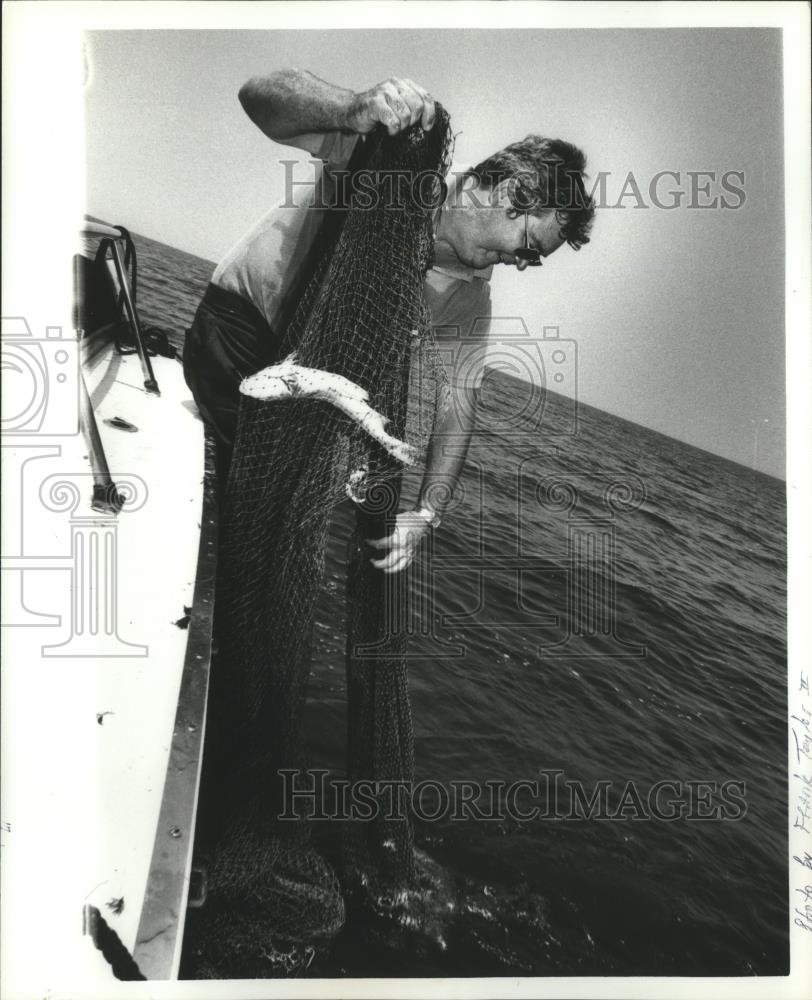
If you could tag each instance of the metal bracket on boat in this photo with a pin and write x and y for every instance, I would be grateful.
(124, 294)
(150, 382)
(198, 887)
(106, 497)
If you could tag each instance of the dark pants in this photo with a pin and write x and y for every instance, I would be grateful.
(228, 340)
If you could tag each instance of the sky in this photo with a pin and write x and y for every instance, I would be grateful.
(678, 313)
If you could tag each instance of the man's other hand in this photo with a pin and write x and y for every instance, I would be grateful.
(409, 531)
(396, 103)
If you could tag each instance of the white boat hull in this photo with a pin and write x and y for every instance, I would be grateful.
(96, 675)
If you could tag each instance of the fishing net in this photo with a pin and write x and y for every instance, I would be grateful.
(362, 316)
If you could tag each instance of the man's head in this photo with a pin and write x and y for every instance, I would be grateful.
(537, 183)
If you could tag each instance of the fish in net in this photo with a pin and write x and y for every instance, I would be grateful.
(352, 399)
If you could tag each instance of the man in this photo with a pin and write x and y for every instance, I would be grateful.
(527, 198)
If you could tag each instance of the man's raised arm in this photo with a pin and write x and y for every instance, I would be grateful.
(294, 102)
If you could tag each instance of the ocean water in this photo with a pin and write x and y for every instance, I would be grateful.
(604, 607)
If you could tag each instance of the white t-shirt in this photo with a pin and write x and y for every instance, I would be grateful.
(263, 264)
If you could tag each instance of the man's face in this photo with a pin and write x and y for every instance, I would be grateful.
(493, 231)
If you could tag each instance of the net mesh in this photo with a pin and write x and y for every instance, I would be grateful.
(362, 316)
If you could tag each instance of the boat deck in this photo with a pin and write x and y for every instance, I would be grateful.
(97, 710)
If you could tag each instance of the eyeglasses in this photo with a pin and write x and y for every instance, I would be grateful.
(528, 253)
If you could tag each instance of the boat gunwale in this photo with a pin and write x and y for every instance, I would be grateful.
(159, 938)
